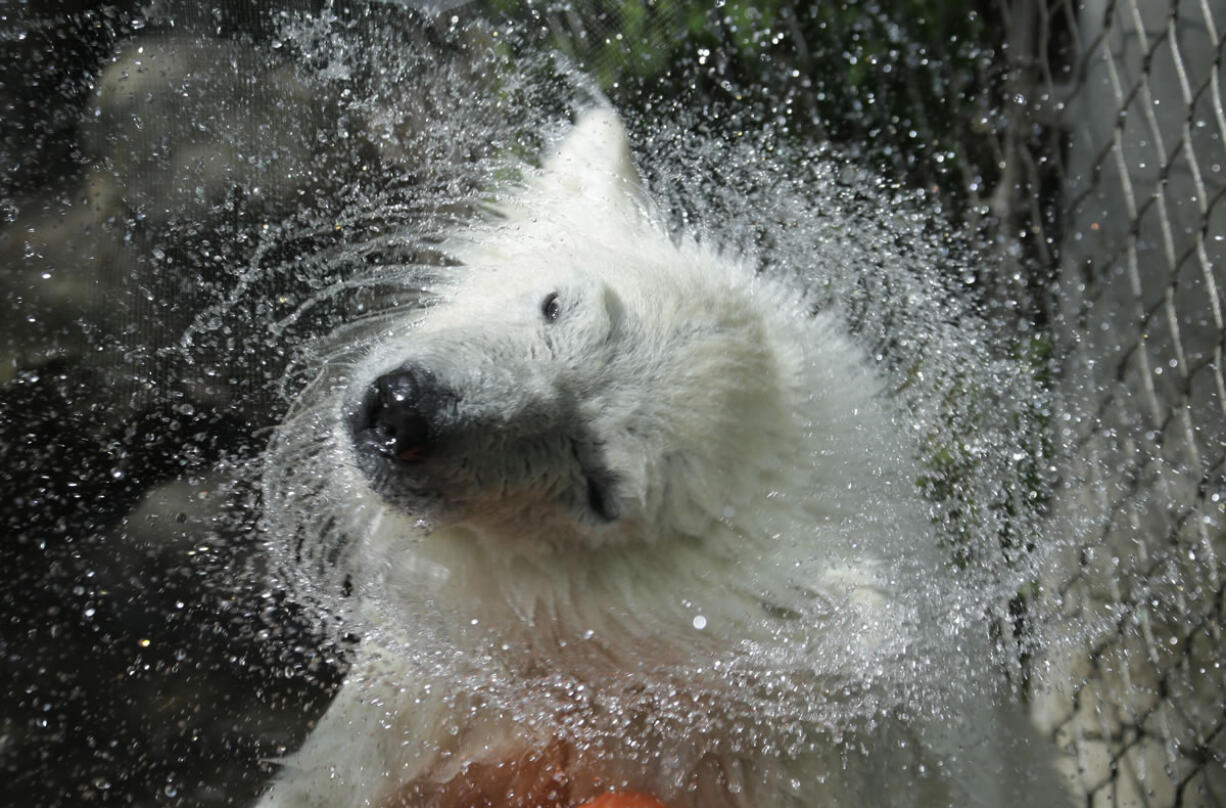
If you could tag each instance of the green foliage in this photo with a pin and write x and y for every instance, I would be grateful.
(891, 83)
(953, 467)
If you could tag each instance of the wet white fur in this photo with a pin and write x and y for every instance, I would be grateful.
(768, 526)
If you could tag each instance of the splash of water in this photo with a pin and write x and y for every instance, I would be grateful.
(456, 125)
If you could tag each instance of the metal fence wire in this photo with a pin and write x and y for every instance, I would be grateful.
(1121, 102)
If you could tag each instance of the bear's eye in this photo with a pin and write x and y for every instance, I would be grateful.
(552, 307)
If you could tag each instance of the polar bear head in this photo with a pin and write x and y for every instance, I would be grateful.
(586, 378)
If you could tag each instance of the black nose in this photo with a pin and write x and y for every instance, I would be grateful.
(400, 413)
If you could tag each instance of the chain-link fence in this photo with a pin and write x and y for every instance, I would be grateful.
(1119, 106)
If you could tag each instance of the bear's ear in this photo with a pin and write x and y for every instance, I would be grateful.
(592, 166)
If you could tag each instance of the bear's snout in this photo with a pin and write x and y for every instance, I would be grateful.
(399, 414)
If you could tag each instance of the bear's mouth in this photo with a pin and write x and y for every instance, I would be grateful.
(399, 484)
(600, 483)
(411, 487)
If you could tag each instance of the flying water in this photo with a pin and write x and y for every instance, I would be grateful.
(450, 121)
(278, 200)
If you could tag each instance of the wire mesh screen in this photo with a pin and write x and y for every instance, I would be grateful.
(1130, 121)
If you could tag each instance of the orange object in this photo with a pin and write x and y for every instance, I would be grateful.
(624, 799)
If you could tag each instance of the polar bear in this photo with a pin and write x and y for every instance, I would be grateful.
(622, 514)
